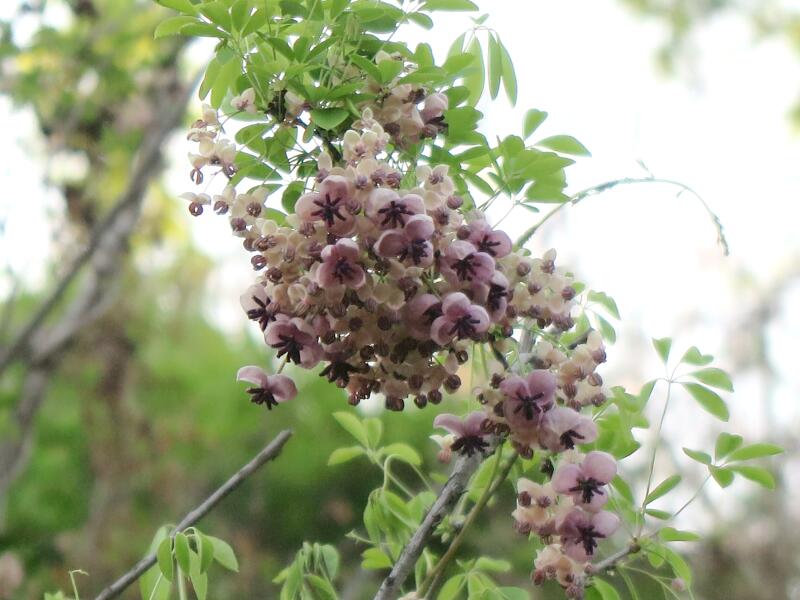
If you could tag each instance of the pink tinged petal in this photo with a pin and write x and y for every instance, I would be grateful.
(347, 248)
(251, 295)
(310, 355)
(514, 387)
(414, 204)
(419, 227)
(587, 430)
(421, 304)
(440, 331)
(390, 244)
(451, 423)
(276, 329)
(541, 381)
(337, 187)
(575, 551)
(305, 206)
(600, 466)
(480, 318)
(254, 375)
(605, 523)
(483, 266)
(459, 249)
(282, 387)
(566, 478)
(473, 422)
(455, 305)
(377, 199)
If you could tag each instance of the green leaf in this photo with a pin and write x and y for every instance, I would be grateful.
(605, 301)
(509, 76)
(206, 551)
(679, 566)
(224, 554)
(475, 78)
(755, 451)
(693, 356)
(663, 515)
(330, 558)
(343, 455)
(172, 26)
(513, 593)
(389, 69)
(240, 14)
(323, 587)
(290, 195)
(606, 590)
(152, 584)
(421, 19)
(182, 552)
(533, 118)
(353, 426)
(708, 399)
(606, 329)
(714, 377)
(492, 565)
(722, 475)
(452, 5)
(726, 443)
(663, 488)
(164, 558)
(404, 452)
(670, 534)
(374, 429)
(495, 66)
(700, 457)
(757, 474)
(328, 118)
(217, 13)
(184, 6)
(663, 347)
(565, 144)
(451, 588)
(375, 558)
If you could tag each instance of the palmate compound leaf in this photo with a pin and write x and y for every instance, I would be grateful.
(755, 451)
(726, 443)
(663, 346)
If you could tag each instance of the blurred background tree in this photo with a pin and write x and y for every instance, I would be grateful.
(122, 411)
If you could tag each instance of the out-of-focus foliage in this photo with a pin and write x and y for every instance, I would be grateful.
(686, 20)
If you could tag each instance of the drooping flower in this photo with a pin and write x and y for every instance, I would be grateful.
(332, 205)
(528, 398)
(420, 313)
(534, 507)
(463, 264)
(469, 434)
(411, 244)
(389, 211)
(269, 390)
(340, 265)
(493, 242)
(460, 319)
(580, 532)
(258, 305)
(564, 428)
(246, 101)
(294, 338)
(585, 482)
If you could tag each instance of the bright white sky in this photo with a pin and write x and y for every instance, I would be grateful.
(591, 65)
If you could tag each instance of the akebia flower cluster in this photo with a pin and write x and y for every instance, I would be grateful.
(385, 283)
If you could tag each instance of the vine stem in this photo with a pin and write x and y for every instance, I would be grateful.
(271, 451)
(435, 579)
(612, 560)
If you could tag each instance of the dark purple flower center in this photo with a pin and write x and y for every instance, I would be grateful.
(464, 326)
(343, 269)
(588, 488)
(261, 313)
(464, 268)
(394, 214)
(416, 250)
(289, 346)
(568, 438)
(328, 210)
(470, 444)
(433, 313)
(262, 396)
(338, 371)
(529, 406)
(587, 537)
(496, 295)
(487, 244)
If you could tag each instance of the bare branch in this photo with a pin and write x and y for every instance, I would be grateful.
(272, 450)
(611, 561)
(464, 468)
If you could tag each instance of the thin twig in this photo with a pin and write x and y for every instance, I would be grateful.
(464, 468)
(611, 561)
(272, 450)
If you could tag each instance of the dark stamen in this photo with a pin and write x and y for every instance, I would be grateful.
(328, 210)
(393, 215)
(528, 405)
(588, 488)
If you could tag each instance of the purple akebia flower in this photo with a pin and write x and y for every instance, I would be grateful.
(389, 211)
(332, 205)
(461, 263)
(339, 265)
(460, 319)
(420, 313)
(564, 428)
(269, 390)
(580, 531)
(470, 436)
(296, 339)
(258, 305)
(584, 482)
(494, 295)
(412, 243)
(434, 107)
(493, 242)
(528, 398)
